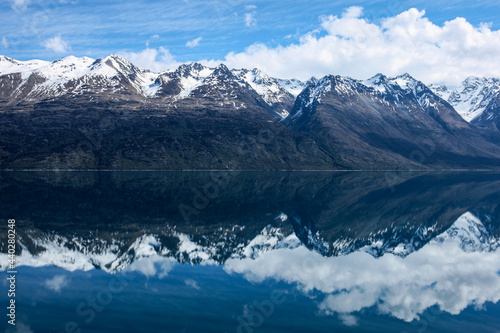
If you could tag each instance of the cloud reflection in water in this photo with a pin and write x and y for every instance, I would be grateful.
(445, 272)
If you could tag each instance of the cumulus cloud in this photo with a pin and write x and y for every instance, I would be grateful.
(5, 43)
(19, 5)
(192, 283)
(56, 44)
(57, 283)
(157, 60)
(348, 320)
(351, 45)
(440, 273)
(193, 43)
(154, 265)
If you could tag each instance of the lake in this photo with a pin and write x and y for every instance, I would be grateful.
(252, 251)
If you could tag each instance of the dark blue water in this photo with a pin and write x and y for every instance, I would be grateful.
(253, 252)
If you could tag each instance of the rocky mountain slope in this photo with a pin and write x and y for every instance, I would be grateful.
(109, 114)
(387, 121)
(81, 113)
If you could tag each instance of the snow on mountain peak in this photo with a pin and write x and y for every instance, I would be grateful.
(471, 98)
(74, 75)
(293, 86)
(193, 69)
(68, 68)
(470, 234)
(270, 89)
(191, 76)
(441, 90)
(406, 82)
(406, 86)
(378, 82)
(72, 253)
(317, 88)
(9, 65)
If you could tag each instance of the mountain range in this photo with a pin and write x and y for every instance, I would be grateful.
(75, 253)
(109, 221)
(81, 113)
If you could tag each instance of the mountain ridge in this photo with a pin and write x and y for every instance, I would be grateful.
(107, 109)
(467, 105)
(474, 99)
(468, 232)
(329, 213)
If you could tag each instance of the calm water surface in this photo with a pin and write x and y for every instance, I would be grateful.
(252, 251)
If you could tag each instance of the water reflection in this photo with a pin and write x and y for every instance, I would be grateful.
(399, 243)
(448, 271)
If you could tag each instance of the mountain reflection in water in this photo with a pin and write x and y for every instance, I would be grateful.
(396, 244)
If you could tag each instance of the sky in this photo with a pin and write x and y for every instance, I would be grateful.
(436, 41)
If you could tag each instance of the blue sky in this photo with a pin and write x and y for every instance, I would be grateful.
(194, 30)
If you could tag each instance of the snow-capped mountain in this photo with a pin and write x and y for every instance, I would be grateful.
(112, 255)
(378, 123)
(345, 115)
(73, 77)
(37, 80)
(117, 254)
(109, 220)
(399, 90)
(275, 92)
(113, 78)
(471, 234)
(472, 97)
(404, 87)
(9, 65)
(441, 90)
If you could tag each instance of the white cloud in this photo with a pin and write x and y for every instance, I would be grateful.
(192, 283)
(348, 320)
(250, 20)
(56, 283)
(19, 5)
(353, 12)
(152, 37)
(153, 265)
(353, 46)
(439, 274)
(56, 44)
(5, 43)
(193, 43)
(157, 60)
